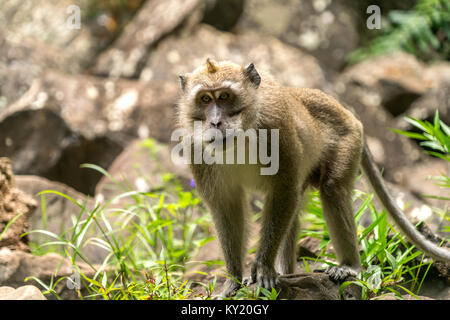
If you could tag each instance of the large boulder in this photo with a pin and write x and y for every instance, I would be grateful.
(180, 54)
(394, 80)
(437, 76)
(22, 60)
(50, 23)
(328, 30)
(39, 142)
(156, 19)
(223, 15)
(378, 90)
(96, 106)
(70, 120)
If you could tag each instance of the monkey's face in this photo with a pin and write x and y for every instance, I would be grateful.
(219, 97)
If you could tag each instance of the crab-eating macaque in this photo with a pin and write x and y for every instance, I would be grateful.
(320, 144)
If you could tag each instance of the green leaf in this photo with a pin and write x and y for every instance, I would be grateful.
(436, 120)
(445, 128)
(408, 134)
(433, 145)
(439, 155)
(391, 259)
(424, 126)
(62, 195)
(8, 225)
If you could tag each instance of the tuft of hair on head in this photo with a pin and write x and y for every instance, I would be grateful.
(211, 65)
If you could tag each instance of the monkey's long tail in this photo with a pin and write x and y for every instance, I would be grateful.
(375, 179)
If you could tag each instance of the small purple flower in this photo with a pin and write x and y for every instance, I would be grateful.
(192, 183)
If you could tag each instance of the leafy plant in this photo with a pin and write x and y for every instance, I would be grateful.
(435, 136)
(423, 32)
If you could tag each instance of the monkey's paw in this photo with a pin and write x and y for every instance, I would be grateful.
(229, 288)
(340, 273)
(264, 276)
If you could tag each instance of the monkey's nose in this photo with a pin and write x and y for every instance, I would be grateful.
(216, 124)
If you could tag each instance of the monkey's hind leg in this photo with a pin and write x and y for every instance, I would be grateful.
(286, 257)
(338, 213)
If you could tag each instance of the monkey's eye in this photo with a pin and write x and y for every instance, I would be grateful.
(235, 113)
(224, 96)
(205, 98)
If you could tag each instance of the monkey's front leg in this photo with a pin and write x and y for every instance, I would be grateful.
(280, 206)
(227, 207)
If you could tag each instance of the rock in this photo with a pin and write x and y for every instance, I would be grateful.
(435, 287)
(395, 81)
(52, 23)
(91, 120)
(154, 20)
(392, 296)
(383, 91)
(180, 54)
(437, 98)
(21, 293)
(223, 15)
(328, 30)
(102, 107)
(367, 88)
(16, 266)
(25, 138)
(59, 212)
(22, 60)
(437, 281)
(298, 286)
(143, 166)
(315, 286)
(15, 210)
(308, 247)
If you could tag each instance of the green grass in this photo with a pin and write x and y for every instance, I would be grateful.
(147, 242)
(389, 263)
(150, 240)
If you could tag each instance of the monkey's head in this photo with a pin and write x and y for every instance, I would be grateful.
(222, 95)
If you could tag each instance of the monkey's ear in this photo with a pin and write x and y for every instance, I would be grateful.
(252, 75)
(182, 78)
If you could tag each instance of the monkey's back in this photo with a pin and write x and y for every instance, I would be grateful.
(321, 125)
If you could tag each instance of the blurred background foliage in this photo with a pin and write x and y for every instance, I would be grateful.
(423, 31)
